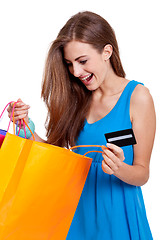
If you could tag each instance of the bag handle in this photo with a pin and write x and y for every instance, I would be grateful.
(14, 103)
(29, 129)
(79, 146)
(24, 124)
(12, 115)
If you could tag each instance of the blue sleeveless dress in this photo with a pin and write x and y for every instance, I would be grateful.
(109, 209)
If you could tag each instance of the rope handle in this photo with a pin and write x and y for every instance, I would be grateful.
(79, 146)
(12, 115)
(29, 129)
(14, 103)
(24, 124)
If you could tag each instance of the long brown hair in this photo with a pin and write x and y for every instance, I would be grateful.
(67, 99)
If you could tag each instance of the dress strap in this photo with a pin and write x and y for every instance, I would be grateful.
(123, 107)
(131, 86)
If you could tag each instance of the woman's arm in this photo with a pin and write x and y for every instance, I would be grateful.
(143, 120)
(37, 138)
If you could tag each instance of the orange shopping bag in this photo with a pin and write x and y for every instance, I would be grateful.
(40, 186)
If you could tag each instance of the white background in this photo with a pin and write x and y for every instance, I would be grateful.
(27, 29)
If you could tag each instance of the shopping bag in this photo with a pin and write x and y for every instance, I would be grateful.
(2, 136)
(40, 187)
(2, 131)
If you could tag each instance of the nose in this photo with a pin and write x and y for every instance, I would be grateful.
(76, 70)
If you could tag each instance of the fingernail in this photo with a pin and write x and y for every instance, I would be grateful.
(20, 103)
(108, 144)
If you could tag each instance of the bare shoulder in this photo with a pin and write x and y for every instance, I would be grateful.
(141, 101)
(141, 93)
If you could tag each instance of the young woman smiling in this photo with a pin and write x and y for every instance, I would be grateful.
(87, 95)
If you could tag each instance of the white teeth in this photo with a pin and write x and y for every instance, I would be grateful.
(85, 78)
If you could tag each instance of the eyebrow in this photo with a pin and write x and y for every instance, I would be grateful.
(76, 58)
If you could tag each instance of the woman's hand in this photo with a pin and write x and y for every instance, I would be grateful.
(20, 111)
(113, 158)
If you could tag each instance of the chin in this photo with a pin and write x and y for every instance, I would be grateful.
(92, 88)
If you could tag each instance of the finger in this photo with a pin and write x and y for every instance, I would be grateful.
(19, 114)
(109, 154)
(113, 165)
(19, 101)
(13, 104)
(18, 106)
(19, 110)
(9, 109)
(24, 107)
(19, 119)
(111, 159)
(106, 168)
(116, 150)
(21, 104)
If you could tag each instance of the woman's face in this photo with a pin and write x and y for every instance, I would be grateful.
(86, 63)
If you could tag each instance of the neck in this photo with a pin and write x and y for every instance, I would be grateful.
(112, 85)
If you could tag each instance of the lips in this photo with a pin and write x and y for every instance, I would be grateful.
(87, 78)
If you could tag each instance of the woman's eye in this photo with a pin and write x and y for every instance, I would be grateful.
(83, 62)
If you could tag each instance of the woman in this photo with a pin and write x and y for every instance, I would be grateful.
(87, 95)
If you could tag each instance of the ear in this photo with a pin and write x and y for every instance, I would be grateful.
(107, 51)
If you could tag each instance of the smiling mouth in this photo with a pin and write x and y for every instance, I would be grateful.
(88, 78)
